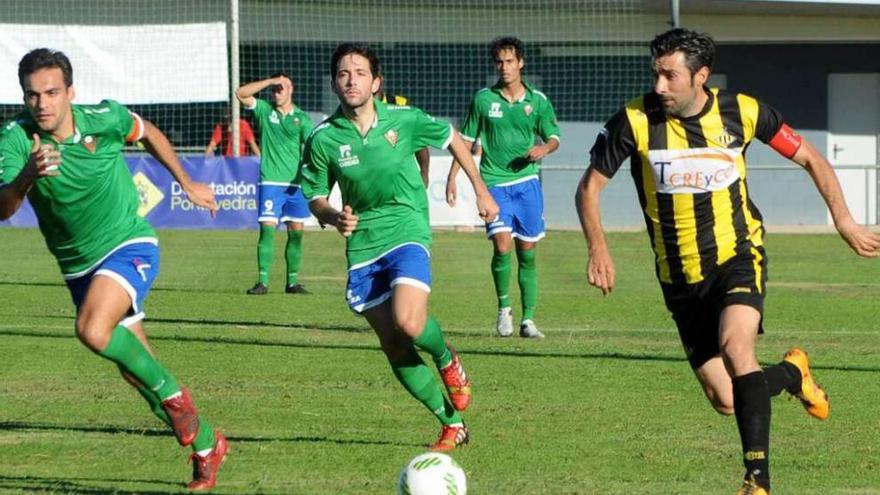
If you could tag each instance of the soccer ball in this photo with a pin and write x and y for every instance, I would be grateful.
(432, 474)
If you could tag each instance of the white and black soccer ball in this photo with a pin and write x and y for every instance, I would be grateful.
(432, 474)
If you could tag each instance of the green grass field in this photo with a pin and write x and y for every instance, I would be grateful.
(605, 405)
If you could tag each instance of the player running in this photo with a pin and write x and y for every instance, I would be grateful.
(687, 143)
(366, 147)
(67, 160)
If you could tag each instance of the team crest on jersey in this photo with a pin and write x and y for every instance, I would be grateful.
(273, 117)
(90, 143)
(296, 121)
(346, 159)
(495, 110)
(725, 137)
(391, 136)
(528, 110)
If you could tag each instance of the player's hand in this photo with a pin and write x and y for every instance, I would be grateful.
(487, 207)
(44, 159)
(537, 152)
(451, 192)
(202, 195)
(346, 221)
(600, 270)
(860, 239)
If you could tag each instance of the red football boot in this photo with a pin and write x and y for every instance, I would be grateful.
(184, 417)
(457, 384)
(205, 468)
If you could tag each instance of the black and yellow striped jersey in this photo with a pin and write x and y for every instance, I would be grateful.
(398, 100)
(690, 175)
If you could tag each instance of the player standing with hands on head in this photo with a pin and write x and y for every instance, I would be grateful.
(67, 160)
(366, 147)
(687, 143)
(505, 120)
(283, 131)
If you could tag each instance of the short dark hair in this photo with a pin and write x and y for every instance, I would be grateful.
(44, 58)
(358, 49)
(698, 48)
(507, 43)
(282, 73)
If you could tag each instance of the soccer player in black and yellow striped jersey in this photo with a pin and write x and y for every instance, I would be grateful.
(686, 144)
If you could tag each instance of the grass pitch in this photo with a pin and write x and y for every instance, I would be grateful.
(606, 404)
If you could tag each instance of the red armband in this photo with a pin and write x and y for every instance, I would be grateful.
(786, 141)
(137, 128)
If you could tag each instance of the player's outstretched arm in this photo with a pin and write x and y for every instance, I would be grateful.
(245, 94)
(486, 205)
(860, 239)
(600, 267)
(42, 162)
(345, 221)
(158, 145)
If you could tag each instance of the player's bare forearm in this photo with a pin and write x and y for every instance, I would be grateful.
(600, 267)
(12, 196)
(464, 160)
(825, 179)
(345, 221)
(245, 93)
(43, 161)
(158, 145)
(587, 203)
(423, 156)
(255, 148)
(323, 211)
(860, 239)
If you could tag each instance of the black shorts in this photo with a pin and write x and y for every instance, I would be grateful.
(696, 308)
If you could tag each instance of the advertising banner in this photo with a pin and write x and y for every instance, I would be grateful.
(234, 182)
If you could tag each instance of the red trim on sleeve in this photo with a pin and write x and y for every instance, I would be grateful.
(137, 128)
(786, 141)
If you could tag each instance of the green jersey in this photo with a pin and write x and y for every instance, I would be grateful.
(281, 140)
(90, 208)
(377, 175)
(506, 130)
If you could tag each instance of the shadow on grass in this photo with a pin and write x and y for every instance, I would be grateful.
(238, 323)
(609, 355)
(155, 432)
(48, 484)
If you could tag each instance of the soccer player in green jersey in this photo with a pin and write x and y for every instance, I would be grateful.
(423, 156)
(283, 130)
(366, 147)
(505, 120)
(67, 160)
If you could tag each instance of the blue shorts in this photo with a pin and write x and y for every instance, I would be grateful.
(521, 210)
(279, 203)
(371, 283)
(133, 266)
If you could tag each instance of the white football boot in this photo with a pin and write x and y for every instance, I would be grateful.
(528, 330)
(504, 323)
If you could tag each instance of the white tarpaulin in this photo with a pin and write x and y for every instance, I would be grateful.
(132, 64)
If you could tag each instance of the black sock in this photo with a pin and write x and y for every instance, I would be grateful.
(783, 376)
(751, 404)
